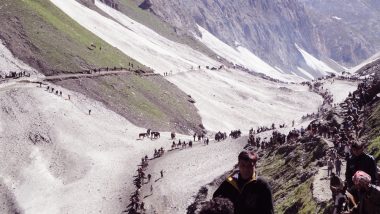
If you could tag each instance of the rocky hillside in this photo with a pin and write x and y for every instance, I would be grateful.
(338, 21)
(359, 17)
(270, 29)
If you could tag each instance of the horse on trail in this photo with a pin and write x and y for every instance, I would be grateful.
(174, 145)
(143, 135)
(155, 135)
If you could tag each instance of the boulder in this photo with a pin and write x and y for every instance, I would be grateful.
(147, 4)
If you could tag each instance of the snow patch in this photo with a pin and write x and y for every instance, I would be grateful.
(340, 89)
(242, 56)
(9, 63)
(315, 63)
(232, 99)
(336, 18)
(305, 73)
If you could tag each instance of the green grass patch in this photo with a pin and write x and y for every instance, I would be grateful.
(374, 122)
(373, 132)
(290, 168)
(374, 149)
(145, 101)
(299, 200)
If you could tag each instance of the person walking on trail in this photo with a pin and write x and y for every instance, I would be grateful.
(162, 173)
(89, 112)
(338, 166)
(335, 185)
(248, 193)
(360, 161)
(330, 167)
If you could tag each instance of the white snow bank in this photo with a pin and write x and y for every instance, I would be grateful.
(305, 73)
(229, 100)
(340, 89)
(315, 63)
(134, 39)
(336, 18)
(242, 56)
(9, 63)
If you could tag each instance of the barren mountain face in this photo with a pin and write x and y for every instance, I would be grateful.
(270, 29)
(357, 19)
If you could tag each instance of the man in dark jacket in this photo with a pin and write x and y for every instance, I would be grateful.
(248, 193)
(360, 161)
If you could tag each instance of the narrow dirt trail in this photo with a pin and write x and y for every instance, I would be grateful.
(321, 183)
(41, 78)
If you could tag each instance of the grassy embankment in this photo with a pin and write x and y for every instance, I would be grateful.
(290, 170)
(374, 133)
(150, 102)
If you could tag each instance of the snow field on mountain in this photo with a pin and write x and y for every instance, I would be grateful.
(232, 99)
(242, 56)
(340, 89)
(315, 63)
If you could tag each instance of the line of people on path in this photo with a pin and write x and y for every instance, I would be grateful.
(358, 193)
(181, 144)
(15, 75)
(136, 204)
(57, 92)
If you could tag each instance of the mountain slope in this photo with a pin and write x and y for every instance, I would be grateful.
(41, 35)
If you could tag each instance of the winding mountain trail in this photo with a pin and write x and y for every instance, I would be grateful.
(321, 183)
(55, 141)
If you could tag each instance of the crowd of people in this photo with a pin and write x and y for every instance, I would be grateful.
(358, 194)
(15, 74)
